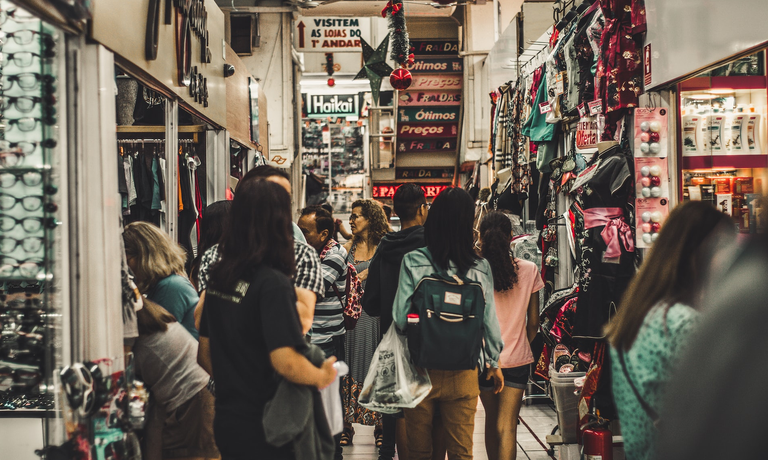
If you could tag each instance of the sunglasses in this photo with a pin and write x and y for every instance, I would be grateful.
(29, 203)
(30, 244)
(25, 147)
(28, 269)
(29, 224)
(23, 104)
(26, 81)
(25, 37)
(28, 124)
(17, 14)
(29, 178)
(21, 376)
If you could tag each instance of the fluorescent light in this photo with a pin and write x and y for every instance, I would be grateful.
(700, 96)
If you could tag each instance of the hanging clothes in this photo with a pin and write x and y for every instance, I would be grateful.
(187, 212)
(536, 127)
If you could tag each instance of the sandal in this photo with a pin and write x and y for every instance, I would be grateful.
(346, 437)
(379, 439)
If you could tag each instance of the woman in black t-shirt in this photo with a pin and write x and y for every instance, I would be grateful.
(250, 327)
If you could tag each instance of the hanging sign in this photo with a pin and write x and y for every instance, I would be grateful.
(409, 98)
(419, 130)
(586, 135)
(420, 145)
(388, 191)
(330, 34)
(545, 107)
(413, 114)
(435, 47)
(336, 105)
(647, 73)
(432, 81)
(424, 173)
(435, 65)
(595, 107)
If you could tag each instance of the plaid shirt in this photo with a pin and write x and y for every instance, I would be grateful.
(309, 274)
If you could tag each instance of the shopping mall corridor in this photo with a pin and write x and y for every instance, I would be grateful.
(541, 418)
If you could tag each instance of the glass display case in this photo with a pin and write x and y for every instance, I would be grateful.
(723, 138)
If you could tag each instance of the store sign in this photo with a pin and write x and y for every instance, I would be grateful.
(420, 130)
(647, 72)
(434, 81)
(337, 105)
(438, 145)
(430, 98)
(388, 191)
(413, 114)
(424, 173)
(330, 34)
(435, 47)
(586, 134)
(435, 65)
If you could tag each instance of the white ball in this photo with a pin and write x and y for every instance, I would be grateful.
(655, 148)
(655, 170)
(656, 192)
(645, 126)
(646, 216)
(647, 238)
(656, 216)
(654, 237)
(655, 126)
(645, 171)
(644, 147)
(646, 192)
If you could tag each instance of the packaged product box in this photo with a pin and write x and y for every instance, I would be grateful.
(752, 200)
(723, 185)
(701, 180)
(723, 203)
(743, 185)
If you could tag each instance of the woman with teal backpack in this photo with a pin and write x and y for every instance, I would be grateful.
(449, 256)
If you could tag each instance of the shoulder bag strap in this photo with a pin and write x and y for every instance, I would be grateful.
(646, 407)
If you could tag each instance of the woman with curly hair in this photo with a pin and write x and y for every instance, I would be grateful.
(368, 224)
(516, 284)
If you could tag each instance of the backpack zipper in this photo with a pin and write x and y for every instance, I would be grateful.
(449, 317)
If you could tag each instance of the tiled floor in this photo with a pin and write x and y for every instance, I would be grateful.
(541, 418)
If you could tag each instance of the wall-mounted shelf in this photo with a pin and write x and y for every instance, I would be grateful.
(160, 129)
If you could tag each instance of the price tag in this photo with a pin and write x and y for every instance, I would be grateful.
(582, 110)
(545, 107)
(595, 107)
(559, 84)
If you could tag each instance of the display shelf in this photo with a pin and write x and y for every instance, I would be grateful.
(160, 129)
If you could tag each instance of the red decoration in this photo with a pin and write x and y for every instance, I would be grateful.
(331, 82)
(655, 137)
(655, 227)
(400, 79)
(655, 181)
(391, 7)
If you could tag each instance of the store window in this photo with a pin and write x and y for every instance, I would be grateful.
(723, 139)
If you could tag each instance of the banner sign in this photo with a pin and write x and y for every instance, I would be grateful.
(409, 98)
(436, 81)
(330, 34)
(388, 191)
(413, 114)
(424, 173)
(435, 47)
(420, 145)
(336, 105)
(435, 65)
(420, 130)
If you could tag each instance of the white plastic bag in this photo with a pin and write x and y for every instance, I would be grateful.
(393, 382)
(332, 399)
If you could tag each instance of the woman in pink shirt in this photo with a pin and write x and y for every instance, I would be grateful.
(516, 284)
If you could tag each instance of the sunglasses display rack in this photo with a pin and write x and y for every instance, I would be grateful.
(28, 192)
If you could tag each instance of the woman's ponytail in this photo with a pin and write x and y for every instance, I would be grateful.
(495, 231)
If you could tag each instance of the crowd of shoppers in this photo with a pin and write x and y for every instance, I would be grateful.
(271, 292)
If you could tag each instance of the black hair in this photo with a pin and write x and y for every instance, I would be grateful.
(495, 230)
(263, 172)
(327, 206)
(407, 201)
(448, 229)
(211, 228)
(258, 231)
(323, 219)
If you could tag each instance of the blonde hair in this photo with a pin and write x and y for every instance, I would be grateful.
(156, 255)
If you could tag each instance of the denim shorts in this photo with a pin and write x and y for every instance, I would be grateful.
(515, 377)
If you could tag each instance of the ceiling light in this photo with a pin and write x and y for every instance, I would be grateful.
(700, 96)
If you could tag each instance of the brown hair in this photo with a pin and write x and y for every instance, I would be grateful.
(674, 270)
(377, 220)
(157, 256)
(153, 318)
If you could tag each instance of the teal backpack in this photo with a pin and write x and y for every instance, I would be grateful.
(449, 333)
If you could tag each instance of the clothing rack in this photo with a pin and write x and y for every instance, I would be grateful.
(152, 141)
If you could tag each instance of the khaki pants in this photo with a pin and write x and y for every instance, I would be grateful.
(455, 393)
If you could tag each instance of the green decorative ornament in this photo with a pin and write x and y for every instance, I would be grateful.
(375, 67)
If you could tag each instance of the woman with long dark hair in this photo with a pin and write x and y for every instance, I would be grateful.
(516, 284)
(450, 241)
(657, 315)
(251, 322)
(211, 229)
